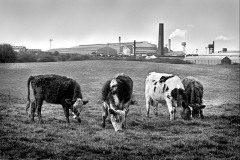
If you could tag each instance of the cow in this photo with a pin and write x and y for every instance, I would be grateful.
(194, 91)
(166, 88)
(55, 89)
(116, 97)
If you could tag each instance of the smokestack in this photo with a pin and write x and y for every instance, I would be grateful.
(213, 47)
(119, 40)
(134, 46)
(161, 39)
(169, 45)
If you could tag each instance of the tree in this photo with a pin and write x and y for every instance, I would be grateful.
(56, 53)
(7, 54)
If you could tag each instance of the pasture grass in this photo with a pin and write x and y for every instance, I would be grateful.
(215, 137)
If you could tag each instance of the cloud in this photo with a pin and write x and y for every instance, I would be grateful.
(190, 25)
(178, 33)
(222, 38)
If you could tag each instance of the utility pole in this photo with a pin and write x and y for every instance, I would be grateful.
(134, 51)
(50, 42)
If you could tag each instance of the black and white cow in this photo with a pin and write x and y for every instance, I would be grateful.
(166, 88)
(116, 96)
(194, 91)
(55, 89)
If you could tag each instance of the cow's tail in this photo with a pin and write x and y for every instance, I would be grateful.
(28, 96)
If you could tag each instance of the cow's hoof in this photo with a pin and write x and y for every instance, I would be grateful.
(41, 122)
(103, 125)
(79, 120)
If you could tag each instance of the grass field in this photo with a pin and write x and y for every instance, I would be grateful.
(215, 137)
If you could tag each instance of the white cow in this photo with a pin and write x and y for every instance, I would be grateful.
(166, 88)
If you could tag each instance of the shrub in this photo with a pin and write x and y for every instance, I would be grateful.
(26, 58)
(78, 58)
(169, 60)
(7, 54)
(46, 58)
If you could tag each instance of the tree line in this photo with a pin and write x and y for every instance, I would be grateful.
(8, 55)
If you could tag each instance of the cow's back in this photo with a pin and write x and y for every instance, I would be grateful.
(127, 85)
(53, 88)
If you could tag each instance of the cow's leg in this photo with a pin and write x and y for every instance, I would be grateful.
(155, 111)
(33, 109)
(66, 112)
(126, 109)
(39, 102)
(171, 109)
(105, 114)
(201, 114)
(148, 103)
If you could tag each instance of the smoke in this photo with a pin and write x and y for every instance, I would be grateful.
(222, 38)
(178, 33)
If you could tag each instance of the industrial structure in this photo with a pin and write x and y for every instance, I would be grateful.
(21, 49)
(149, 50)
(125, 48)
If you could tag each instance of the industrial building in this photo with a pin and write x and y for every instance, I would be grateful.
(21, 49)
(125, 48)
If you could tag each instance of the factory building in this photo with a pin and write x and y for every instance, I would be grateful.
(125, 48)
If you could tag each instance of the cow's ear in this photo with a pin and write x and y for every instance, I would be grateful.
(184, 105)
(111, 111)
(85, 102)
(202, 106)
(68, 101)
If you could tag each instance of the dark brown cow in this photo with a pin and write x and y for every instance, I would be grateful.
(55, 89)
(116, 96)
(194, 91)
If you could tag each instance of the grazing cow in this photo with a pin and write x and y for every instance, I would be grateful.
(194, 91)
(116, 96)
(166, 88)
(55, 89)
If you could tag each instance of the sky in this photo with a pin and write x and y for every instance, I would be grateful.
(32, 23)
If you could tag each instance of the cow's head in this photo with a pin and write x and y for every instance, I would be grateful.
(117, 118)
(114, 86)
(186, 112)
(180, 96)
(77, 105)
(197, 110)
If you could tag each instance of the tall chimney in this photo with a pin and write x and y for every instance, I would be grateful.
(134, 46)
(169, 45)
(119, 40)
(213, 47)
(161, 39)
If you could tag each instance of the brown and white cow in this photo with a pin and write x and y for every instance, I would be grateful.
(55, 89)
(194, 91)
(116, 96)
(166, 88)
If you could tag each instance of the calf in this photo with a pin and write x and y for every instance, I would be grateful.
(116, 96)
(55, 89)
(166, 88)
(194, 91)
